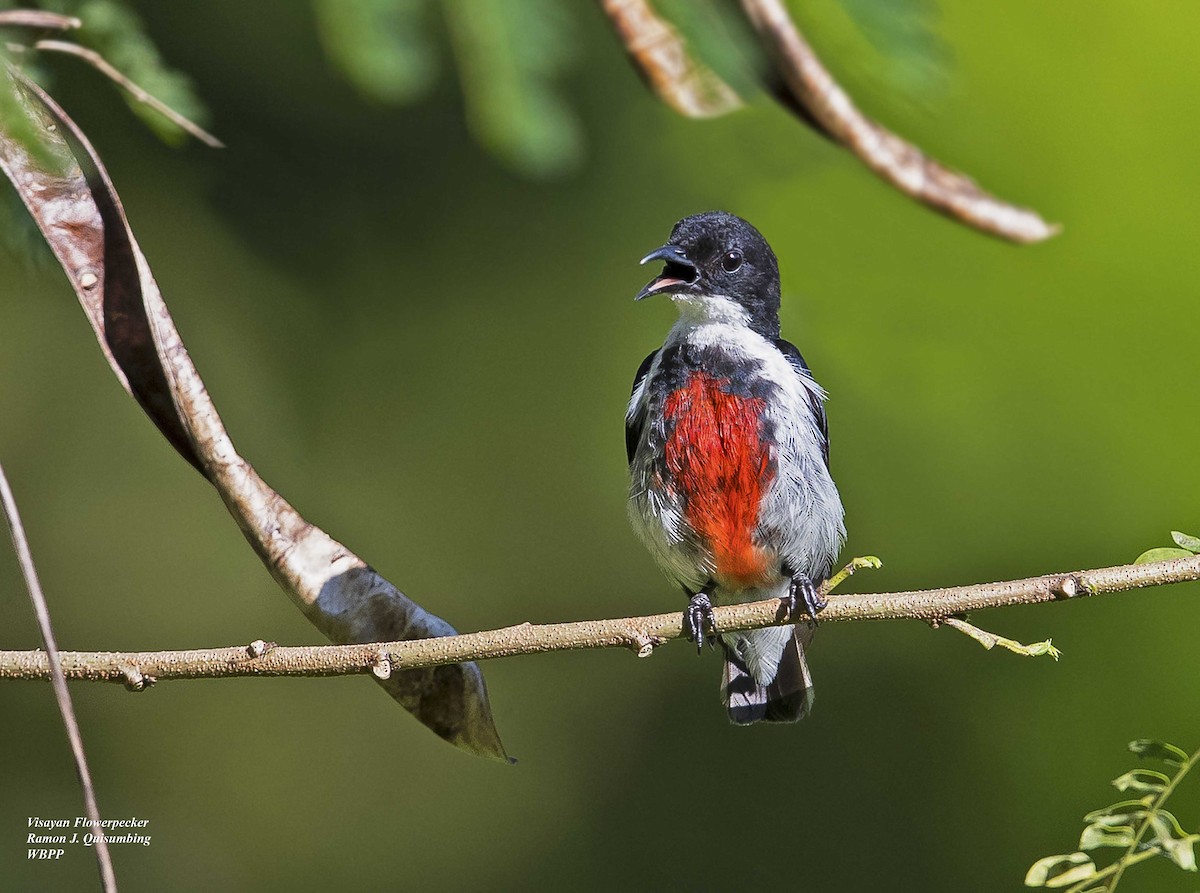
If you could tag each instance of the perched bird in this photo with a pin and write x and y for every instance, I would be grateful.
(728, 452)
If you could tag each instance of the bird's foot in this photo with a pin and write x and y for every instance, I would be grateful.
(698, 619)
(803, 591)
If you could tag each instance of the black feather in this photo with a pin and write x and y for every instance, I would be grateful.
(635, 422)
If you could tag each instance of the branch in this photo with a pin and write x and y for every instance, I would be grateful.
(821, 101)
(108, 879)
(80, 215)
(639, 634)
(807, 89)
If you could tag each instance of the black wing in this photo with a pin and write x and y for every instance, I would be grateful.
(634, 423)
(790, 351)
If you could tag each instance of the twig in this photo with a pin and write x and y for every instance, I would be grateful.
(639, 634)
(856, 564)
(1129, 857)
(106, 68)
(895, 160)
(58, 679)
(1119, 866)
(991, 640)
(37, 18)
(661, 57)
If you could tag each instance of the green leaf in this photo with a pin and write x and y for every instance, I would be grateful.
(1100, 834)
(719, 36)
(510, 56)
(1186, 541)
(891, 51)
(1164, 554)
(1118, 814)
(1152, 749)
(1178, 845)
(381, 46)
(1058, 871)
(1141, 781)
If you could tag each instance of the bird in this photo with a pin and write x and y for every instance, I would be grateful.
(728, 448)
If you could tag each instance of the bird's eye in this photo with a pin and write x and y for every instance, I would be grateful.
(732, 261)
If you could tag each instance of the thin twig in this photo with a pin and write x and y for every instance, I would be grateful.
(1089, 882)
(639, 634)
(855, 564)
(661, 56)
(991, 640)
(103, 66)
(37, 18)
(895, 160)
(55, 671)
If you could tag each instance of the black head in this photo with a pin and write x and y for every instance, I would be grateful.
(717, 254)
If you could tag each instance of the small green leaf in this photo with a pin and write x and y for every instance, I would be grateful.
(1100, 834)
(1036, 649)
(1164, 823)
(1152, 749)
(1058, 871)
(1117, 814)
(1186, 541)
(1141, 781)
(511, 59)
(1161, 555)
(381, 46)
(1116, 821)
(1179, 846)
(899, 43)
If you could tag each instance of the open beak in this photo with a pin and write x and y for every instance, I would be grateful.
(678, 271)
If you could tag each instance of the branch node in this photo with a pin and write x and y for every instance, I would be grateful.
(135, 680)
(381, 666)
(1068, 586)
(258, 648)
(644, 645)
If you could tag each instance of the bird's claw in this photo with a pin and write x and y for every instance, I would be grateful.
(803, 591)
(698, 619)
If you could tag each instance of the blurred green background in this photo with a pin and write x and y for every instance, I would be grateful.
(429, 353)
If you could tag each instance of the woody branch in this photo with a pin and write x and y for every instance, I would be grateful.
(640, 634)
(802, 83)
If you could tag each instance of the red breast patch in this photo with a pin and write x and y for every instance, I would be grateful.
(718, 460)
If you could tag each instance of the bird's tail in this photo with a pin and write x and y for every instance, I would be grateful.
(787, 697)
